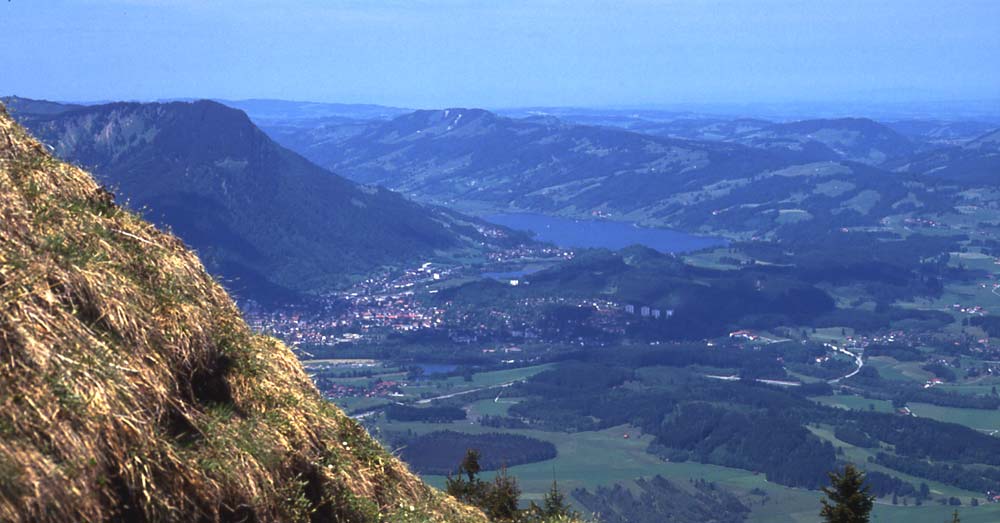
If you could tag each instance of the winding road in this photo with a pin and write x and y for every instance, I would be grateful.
(759, 380)
(463, 392)
(857, 360)
(369, 413)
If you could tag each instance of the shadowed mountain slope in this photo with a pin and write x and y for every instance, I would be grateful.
(266, 219)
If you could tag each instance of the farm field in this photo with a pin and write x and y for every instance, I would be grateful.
(979, 419)
(591, 459)
(425, 388)
(860, 455)
(891, 369)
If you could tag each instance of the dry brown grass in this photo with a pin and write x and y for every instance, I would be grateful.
(131, 389)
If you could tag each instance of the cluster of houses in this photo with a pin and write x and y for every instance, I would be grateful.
(385, 302)
(646, 311)
(933, 382)
(922, 222)
(504, 350)
(522, 252)
(975, 310)
(744, 334)
(380, 389)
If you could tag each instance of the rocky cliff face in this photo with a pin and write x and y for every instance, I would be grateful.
(131, 389)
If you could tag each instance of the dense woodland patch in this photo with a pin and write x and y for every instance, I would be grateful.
(440, 452)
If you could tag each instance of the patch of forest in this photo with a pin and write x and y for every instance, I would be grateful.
(743, 424)
(658, 500)
(432, 414)
(440, 452)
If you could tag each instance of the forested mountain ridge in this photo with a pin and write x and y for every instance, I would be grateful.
(133, 391)
(266, 219)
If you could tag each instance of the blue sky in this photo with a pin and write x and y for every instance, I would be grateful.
(418, 53)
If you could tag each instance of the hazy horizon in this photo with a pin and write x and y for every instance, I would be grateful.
(519, 54)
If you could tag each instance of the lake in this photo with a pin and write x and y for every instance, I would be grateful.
(434, 368)
(571, 233)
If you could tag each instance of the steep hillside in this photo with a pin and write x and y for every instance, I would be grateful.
(131, 390)
(856, 139)
(266, 219)
(476, 159)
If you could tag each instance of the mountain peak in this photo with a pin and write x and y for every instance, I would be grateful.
(433, 122)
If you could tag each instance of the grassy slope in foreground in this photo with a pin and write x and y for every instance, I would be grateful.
(130, 388)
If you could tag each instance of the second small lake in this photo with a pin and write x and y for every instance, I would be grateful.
(571, 233)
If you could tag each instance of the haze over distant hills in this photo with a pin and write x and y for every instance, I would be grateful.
(268, 109)
(720, 175)
(263, 217)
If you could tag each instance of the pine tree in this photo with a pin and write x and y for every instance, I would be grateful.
(470, 463)
(554, 503)
(468, 488)
(500, 501)
(554, 508)
(851, 501)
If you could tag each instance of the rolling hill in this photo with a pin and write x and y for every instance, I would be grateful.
(855, 139)
(976, 162)
(939, 132)
(473, 154)
(474, 159)
(264, 218)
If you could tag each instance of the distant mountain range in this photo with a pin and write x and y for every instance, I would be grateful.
(267, 220)
(752, 176)
(235, 194)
